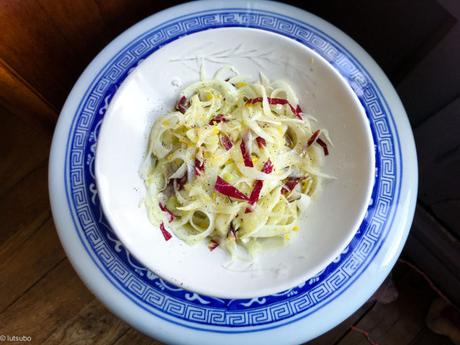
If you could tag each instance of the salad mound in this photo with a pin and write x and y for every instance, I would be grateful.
(234, 164)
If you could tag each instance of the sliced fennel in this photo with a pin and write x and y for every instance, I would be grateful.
(234, 164)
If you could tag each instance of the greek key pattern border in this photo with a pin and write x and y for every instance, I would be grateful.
(158, 296)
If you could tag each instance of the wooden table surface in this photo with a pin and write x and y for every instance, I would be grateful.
(41, 296)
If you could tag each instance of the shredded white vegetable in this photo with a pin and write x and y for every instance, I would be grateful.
(234, 164)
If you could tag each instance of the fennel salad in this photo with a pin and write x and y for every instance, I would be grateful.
(234, 164)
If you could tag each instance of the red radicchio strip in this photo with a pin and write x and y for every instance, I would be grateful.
(180, 106)
(226, 142)
(165, 232)
(212, 245)
(296, 111)
(217, 119)
(165, 209)
(321, 143)
(245, 153)
(227, 189)
(281, 101)
(181, 182)
(290, 184)
(268, 167)
(261, 142)
(313, 138)
(255, 194)
(199, 167)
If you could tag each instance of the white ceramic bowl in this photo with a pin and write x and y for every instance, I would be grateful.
(152, 90)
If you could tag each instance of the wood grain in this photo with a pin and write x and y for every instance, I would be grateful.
(121, 14)
(94, 324)
(22, 147)
(44, 46)
(23, 100)
(337, 333)
(81, 25)
(135, 337)
(25, 207)
(33, 258)
(435, 81)
(382, 28)
(35, 48)
(47, 305)
(427, 337)
(401, 321)
(436, 252)
(439, 160)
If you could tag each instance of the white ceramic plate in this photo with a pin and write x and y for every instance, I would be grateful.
(151, 91)
(174, 314)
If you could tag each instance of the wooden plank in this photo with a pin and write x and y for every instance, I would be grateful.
(443, 245)
(23, 264)
(435, 252)
(94, 324)
(442, 276)
(438, 143)
(343, 328)
(81, 25)
(24, 208)
(23, 100)
(399, 322)
(134, 337)
(58, 38)
(435, 81)
(46, 306)
(383, 30)
(33, 46)
(22, 148)
(121, 14)
(427, 337)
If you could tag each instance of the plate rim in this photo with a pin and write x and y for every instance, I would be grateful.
(101, 168)
(87, 76)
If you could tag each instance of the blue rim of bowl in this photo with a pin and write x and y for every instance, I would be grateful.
(207, 313)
